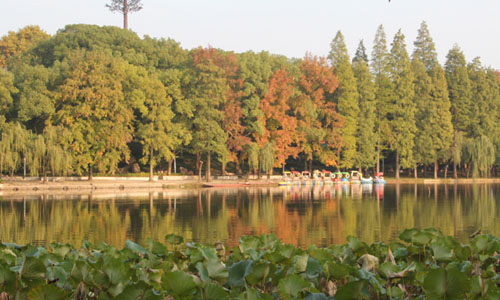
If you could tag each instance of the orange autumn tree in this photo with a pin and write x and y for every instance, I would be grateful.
(319, 122)
(280, 127)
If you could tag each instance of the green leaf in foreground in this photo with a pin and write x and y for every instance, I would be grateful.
(178, 284)
(238, 271)
(46, 292)
(448, 283)
(290, 286)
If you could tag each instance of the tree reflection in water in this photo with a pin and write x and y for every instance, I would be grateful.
(298, 215)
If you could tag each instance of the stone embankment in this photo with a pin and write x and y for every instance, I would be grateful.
(81, 185)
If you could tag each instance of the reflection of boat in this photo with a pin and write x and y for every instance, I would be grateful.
(235, 184)
(379, 178)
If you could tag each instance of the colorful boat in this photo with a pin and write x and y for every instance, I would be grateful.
(379, 178)
(355, 177)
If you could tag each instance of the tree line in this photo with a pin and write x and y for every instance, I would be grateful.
(92, 99)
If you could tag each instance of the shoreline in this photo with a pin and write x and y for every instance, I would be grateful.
(80, 185)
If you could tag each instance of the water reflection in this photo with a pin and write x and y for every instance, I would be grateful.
(319, 215)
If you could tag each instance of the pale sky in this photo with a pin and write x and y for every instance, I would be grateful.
(290, 27)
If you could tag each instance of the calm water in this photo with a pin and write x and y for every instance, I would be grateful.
(302, 216)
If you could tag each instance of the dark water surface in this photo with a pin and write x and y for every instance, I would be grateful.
(299, 215)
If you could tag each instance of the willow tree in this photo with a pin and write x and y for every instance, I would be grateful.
(13, 147)
(267, 159)
(346, 97)
(125, 7)
(48, 152)
(402, 115)
(480, 153)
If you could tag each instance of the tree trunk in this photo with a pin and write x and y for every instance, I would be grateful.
(237, 163)
(150, 165)
(310, 166)
(223, 169)
(436, 167)
(455, 173)
(198, 158)
(397, 165)
(199, 170)
(305, 164)
(445, 171)
(467, 170)
(169, 168)
(125, 14)
(207, 169)
(415, 172)
(91, 174)
(378, 161)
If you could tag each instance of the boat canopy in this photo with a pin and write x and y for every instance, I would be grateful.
(379, 174)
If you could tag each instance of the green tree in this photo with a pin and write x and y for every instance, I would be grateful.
(15, 43)
(156, 131)
(384, 92)
(92, 105)
(435, 129)
(13, 147)
(7, 90)
(267, 159)
(460, 94)
(35, 101)
(424, 149)
(346, 96)
(367, 134)
(402, 115)
(459, 89)
(207, 92)
(485, 108)
(125, 7)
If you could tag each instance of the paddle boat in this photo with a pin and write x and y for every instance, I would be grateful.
(305, 176)
(355, 177)
(379, 178)
(345, 177)
(368, 180)
(337, 177)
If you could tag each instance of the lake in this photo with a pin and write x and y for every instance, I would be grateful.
(299, 215)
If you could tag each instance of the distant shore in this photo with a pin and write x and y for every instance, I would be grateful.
(72, 185)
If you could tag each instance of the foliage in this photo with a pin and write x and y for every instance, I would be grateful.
(367, 132)
(346, 98)
(113, 97)
(425, 263)
(15, 43)
(402, 116)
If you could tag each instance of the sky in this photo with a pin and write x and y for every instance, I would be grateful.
(290, 27)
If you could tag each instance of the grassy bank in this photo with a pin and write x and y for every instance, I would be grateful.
(423, 263)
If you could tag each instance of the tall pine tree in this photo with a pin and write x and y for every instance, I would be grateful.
(346, 97)
(434, 115)
(384, 91)
(367, 137)
(460, 94)
(402, 114)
